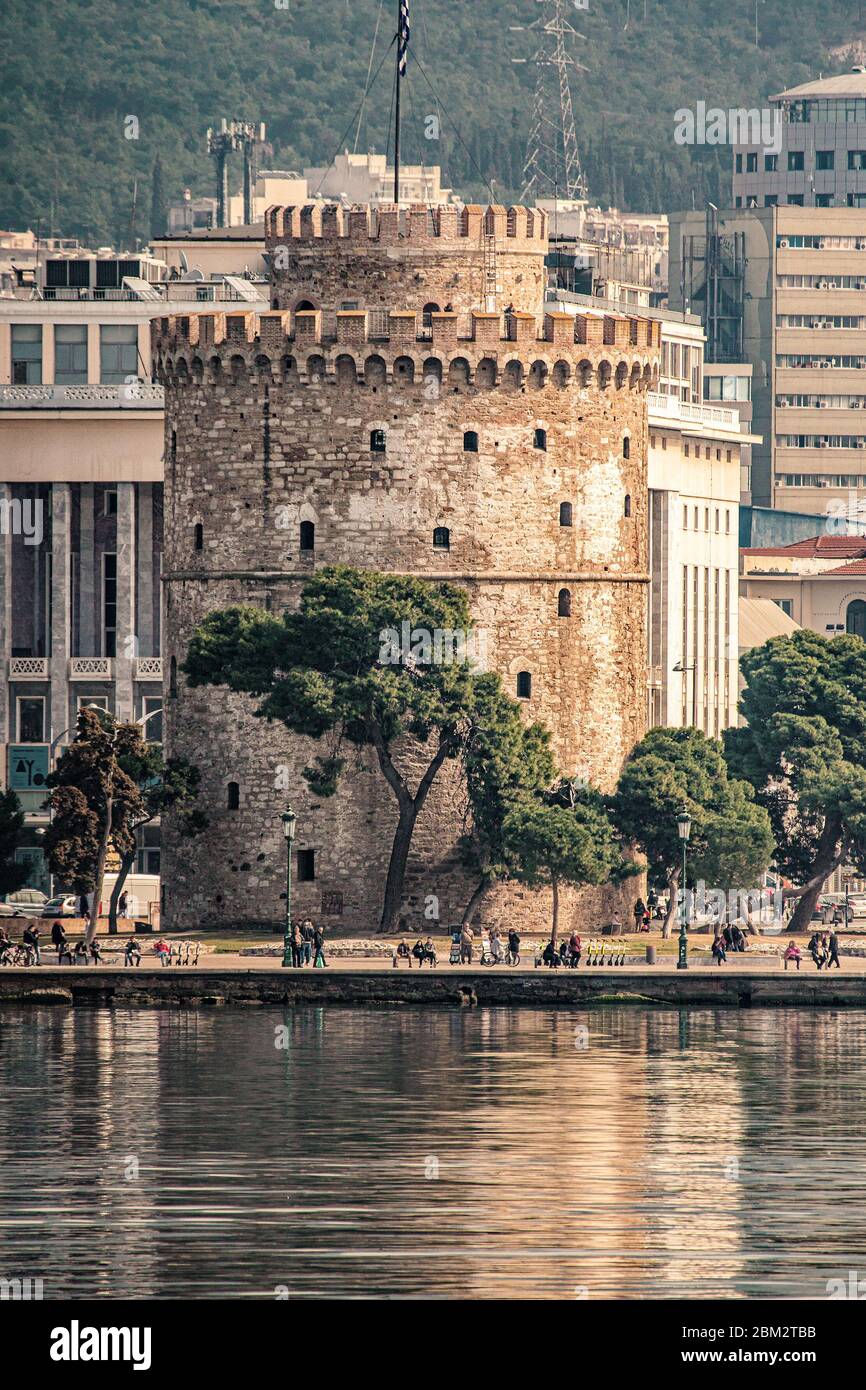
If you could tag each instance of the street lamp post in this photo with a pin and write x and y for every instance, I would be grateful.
(289, 820)
(684, 825)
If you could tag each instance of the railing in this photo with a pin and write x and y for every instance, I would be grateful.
(148, 668)
(90, 668)
(131, 395)
(28, 668)
(684, 410)
(188, 291)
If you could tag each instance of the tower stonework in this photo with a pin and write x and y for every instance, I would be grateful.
(379, 402)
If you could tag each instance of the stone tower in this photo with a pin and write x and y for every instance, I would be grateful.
(407, 405)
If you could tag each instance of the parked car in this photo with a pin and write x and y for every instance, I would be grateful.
(64, 906)
(27, 902)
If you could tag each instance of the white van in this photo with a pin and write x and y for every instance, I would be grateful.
(142, 891)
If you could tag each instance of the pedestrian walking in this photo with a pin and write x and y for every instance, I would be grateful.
(30, 938)
(719, 953)
(513, 947)
(833, 952)
(639, 914)
(307, 935)
(319, 961)
(123, 904)
(297, 944)
(816, 950)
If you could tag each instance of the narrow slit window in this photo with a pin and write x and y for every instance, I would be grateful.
(627, 507)
(306, 865)
(524, 685)
(377, 441)
(470, 442)
(308, 535)
(233, 798)
(441, 538)
(539, 439)
(565, 514)
(564, 603)
(198, 534)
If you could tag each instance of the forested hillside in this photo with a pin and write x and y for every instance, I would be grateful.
(72, 73)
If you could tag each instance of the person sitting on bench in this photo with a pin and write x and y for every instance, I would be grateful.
(132, 952)
(402, 952)
(428, 952)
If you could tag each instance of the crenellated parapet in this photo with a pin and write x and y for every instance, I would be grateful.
(514, 350)
(414, 226)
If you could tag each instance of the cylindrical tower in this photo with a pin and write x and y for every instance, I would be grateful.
(382, 416)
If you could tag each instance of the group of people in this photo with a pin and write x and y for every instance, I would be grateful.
(307, 942)
(421, 951)
(492, 947)
(824, 950)
(729, 938)
(568, 953)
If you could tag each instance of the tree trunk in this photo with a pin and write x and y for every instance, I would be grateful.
(393, 900)
(827, 859)
(476, 900)
(100, 871)
(672, 885)
(555, 931)
(126, 864)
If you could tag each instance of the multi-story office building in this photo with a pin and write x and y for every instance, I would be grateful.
(81, 444)
(792, 304)
(821, 156)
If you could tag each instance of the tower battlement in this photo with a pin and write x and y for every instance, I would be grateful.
(408, 227)
(278, 334)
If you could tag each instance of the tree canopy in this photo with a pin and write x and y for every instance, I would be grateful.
(803, 750)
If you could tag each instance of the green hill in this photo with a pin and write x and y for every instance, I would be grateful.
(71, 73)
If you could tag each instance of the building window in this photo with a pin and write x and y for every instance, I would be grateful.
(151, 711)
(565, 514)
(441, 538)
(427, 314)
(823, 200)
(751, 163)
(563, 607)
(109, 502)
(198, 536)
(27, 354)
(855, 618)
(31, 718)
(308, 535)
(795, 200)
(685, 518)
(825, 159)
(771, 200)
(627, 505)
(118, 352)
(771, 163)
(727, 521)
(738, 164)
(377, 441)
(70, 354)
(470, 442)
(796, 161)
(786, 605)
(109, 604)
(91, 702)
(626, 448)
(306, 865)
(857, 159)
(539, 439)
(233, 797)
(717, 521)
(524, 685)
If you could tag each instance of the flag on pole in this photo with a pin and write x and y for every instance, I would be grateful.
(403, 38)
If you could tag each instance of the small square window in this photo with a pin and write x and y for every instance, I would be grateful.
(377, 441)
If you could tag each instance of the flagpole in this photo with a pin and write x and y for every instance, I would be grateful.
(397, 106)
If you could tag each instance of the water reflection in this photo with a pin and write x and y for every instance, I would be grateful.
(620, 1152)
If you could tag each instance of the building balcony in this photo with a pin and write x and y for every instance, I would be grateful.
(148, 668)
(91, 668)
(670, 408)
(28, 668)
(132, 395)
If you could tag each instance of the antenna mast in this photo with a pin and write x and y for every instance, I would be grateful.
(552, 160)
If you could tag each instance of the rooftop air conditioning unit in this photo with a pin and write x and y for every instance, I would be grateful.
(861, 285)
(824, 285)
(861, 443)
(819, 405)
(855, 404)
(784, 243)
(825, 362)
(861, 243)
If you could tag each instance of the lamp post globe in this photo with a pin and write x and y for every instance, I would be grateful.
(289, 822)
(684, 826)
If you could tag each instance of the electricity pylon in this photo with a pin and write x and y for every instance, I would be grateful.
(552, 163)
